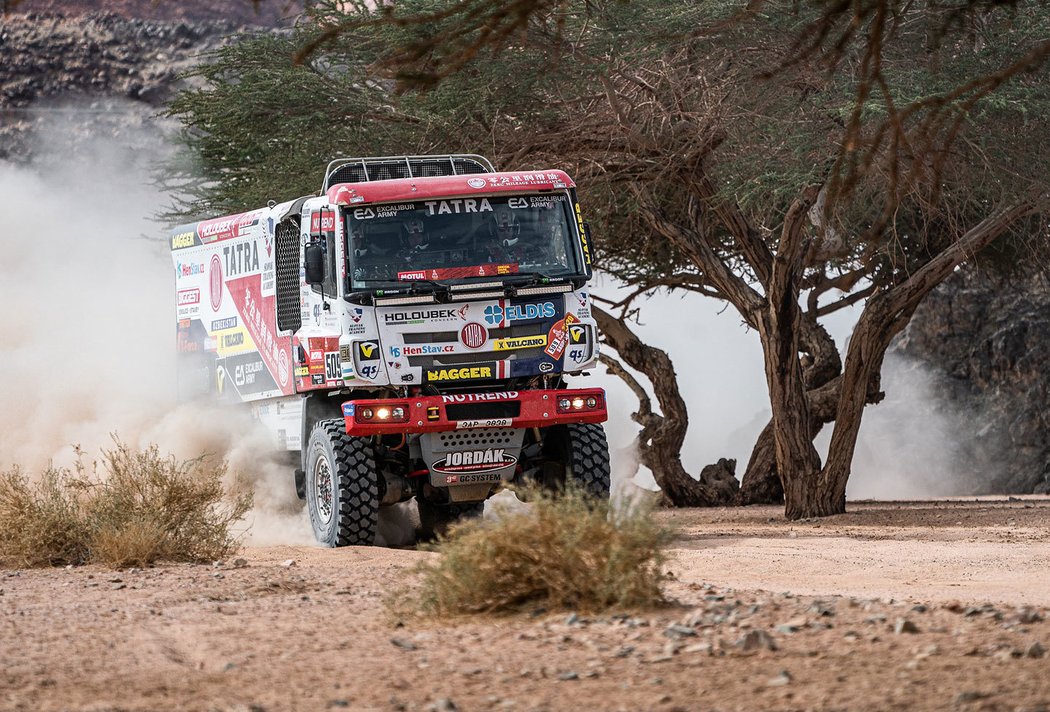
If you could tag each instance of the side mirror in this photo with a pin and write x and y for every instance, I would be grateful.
(314, 258)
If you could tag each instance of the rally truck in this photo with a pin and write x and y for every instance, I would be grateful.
(409, 331)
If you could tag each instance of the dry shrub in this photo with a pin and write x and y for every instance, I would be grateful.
(565, 552)
(144, 508)
(43, 523)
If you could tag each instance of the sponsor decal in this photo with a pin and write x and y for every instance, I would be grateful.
(229, 341)
(527, 179)
(418, 316)
(472, 478)
(487, 460)
(302, 371)
(322, 221)
(355, 314)
(522, 342)
(268, 237)
(577, 355)
(344, 352)
(316, 355)
(462, 311)
(496, 314)
(369, 372)
(381, 211)
(558, 335)
(483, 423)
(185, 297)
(183, 239)
(188, 269)
(583, 235)
(578, 334)
(456, 207)
(317, 379)
(546, 367)
(215, 282)
(229, 322)
(257, 315)
(474, 335)
(422, 350)
(349, 410)
(486, 270)
(368, 350)
(241, 259)
(479, 397)
(461, 373)
(226, 227)
(476, 182)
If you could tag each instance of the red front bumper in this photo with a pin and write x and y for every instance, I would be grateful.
(510, 409)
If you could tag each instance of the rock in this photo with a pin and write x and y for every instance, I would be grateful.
(442, 704)
(779, 680)
(403, 644)
(240, 563)
(568, 675)
(903, 625)
(677, 630)
(1035, 650)
(288, 563)
(756, 640)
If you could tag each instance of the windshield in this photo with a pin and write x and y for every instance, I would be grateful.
(461, 238)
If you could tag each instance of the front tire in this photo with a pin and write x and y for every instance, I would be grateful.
(342, 486)
(583, 452)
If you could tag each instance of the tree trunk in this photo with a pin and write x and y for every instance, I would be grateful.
(661, 438)
(761, 483)
(778, 330)
(883, 317)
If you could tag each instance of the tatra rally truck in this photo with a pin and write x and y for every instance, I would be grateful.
(408, 332)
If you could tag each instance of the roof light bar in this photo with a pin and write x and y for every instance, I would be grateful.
(552, 289)
(398, 301)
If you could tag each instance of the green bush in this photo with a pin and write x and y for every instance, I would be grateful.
(143, 508)
(567, 552)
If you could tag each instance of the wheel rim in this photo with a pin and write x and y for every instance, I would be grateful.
(323, 489)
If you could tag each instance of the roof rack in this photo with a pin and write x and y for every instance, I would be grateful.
(363, 170)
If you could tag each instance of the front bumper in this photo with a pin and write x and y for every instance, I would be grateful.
(507, 409)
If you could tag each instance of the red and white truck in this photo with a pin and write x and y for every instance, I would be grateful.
(408, 332)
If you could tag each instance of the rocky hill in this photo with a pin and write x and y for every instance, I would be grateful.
(986, 339)
(113, 67)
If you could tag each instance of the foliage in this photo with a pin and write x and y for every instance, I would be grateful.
(568, 551)
(145, 508)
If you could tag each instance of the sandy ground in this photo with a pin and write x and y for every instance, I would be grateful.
(894, 606)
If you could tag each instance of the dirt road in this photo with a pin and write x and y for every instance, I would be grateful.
(903, 606)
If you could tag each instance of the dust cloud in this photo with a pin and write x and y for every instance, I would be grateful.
(88, 347)
(909, 445)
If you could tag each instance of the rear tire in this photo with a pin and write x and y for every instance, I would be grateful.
(584, 453)
(435, 519)
(342, 486)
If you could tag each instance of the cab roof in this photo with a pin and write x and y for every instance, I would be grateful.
(459, 186)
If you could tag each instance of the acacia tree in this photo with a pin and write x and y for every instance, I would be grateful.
(784, 197)
(749, 187)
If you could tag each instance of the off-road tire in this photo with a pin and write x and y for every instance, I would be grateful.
(344, 500)
(584, 452)
(435, 519)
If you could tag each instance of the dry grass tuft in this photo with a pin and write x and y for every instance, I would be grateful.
(145, 508)
(567, 552)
